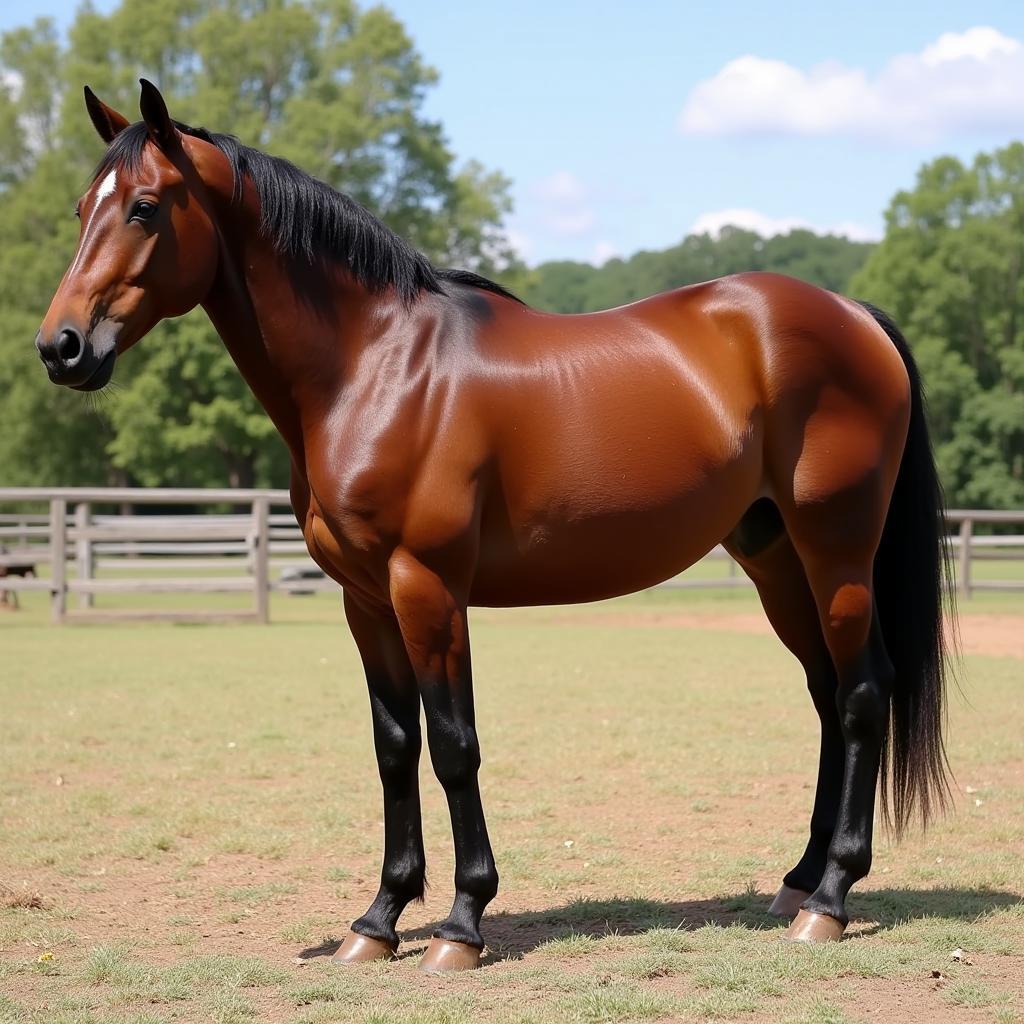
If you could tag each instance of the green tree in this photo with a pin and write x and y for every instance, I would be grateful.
(336, 88)
(566, 286)
(47, 436)
(950, 271)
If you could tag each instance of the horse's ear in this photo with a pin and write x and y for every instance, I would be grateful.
(107, 121)
(158, 121)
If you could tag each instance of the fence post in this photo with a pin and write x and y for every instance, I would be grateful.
(58, 554)
(261, 557)
(964, 568)
(83, 551)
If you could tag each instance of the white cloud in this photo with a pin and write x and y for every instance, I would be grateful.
(852, 230)
(561, 187)
(971, 80)
(711, 223)
(572, 223)
(980, 43)
(564, 203)
(603, 252)
(520, 242)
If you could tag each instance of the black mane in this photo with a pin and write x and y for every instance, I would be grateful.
(310, 222)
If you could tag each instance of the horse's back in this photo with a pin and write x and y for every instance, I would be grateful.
(628, 443)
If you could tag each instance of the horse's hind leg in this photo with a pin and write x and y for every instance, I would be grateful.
(836, 541)
(761, 545)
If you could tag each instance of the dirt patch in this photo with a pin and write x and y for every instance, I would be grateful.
(987, 634)
(221, 809)
(928, 999)
(995, 635)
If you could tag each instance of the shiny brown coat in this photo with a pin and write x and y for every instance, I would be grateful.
(462, 448)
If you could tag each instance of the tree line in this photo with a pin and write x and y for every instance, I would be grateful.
(565, 286)
(334, 87)
(339, 89)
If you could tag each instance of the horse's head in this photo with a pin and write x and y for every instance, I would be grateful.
(147, 249)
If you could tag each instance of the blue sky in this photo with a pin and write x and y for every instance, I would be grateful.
(624, 126)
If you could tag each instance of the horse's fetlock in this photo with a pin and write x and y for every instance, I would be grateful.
(405, 877)
(478, 880)
(853, 856)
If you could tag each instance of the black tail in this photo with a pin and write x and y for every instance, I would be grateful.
(913, 568)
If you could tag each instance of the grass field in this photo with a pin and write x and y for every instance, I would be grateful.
(186, 810)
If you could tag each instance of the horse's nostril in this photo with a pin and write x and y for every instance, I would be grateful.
(69, 346)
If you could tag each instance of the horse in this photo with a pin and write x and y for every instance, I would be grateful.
(451, 446)
(9, 598)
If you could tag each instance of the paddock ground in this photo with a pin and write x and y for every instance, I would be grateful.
(187, 811)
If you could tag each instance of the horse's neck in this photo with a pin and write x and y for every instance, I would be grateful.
(236, 320)
(290, 337)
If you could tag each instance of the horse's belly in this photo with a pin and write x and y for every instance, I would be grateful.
(577, 552)
(614, 488)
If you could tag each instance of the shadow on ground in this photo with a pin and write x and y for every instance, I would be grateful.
(511, 935)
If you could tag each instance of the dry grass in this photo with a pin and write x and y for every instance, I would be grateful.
(183, 810)
(22, 898)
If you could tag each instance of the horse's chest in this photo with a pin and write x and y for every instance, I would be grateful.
(326, 545)
(345, 555)
(349, 530)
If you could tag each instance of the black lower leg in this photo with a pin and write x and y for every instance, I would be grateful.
(455, 754)
(395, 707)
(809, 871)
(476, 877)
(863, 703)
(396, 733)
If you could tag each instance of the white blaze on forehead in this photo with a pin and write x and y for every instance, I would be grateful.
(107, 186)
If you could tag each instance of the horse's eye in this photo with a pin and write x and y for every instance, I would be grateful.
(78, 210)
(143, 210)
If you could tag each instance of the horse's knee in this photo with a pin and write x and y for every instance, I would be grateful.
(398, 749)
(454, 753)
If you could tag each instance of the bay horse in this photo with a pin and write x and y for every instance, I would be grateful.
(450, 446)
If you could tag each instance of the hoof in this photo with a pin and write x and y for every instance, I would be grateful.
(811, 927)
(787, 902)
(444, 957)
(360, 949)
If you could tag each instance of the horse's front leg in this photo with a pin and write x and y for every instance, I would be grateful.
(433, 623)
(395, 705)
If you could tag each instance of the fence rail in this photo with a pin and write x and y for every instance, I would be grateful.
(228, 552)
(67, 531)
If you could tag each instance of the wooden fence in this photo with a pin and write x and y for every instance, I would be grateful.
(225, 552)
(81, 542)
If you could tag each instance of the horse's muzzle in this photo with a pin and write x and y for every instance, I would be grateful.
(72, 361)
